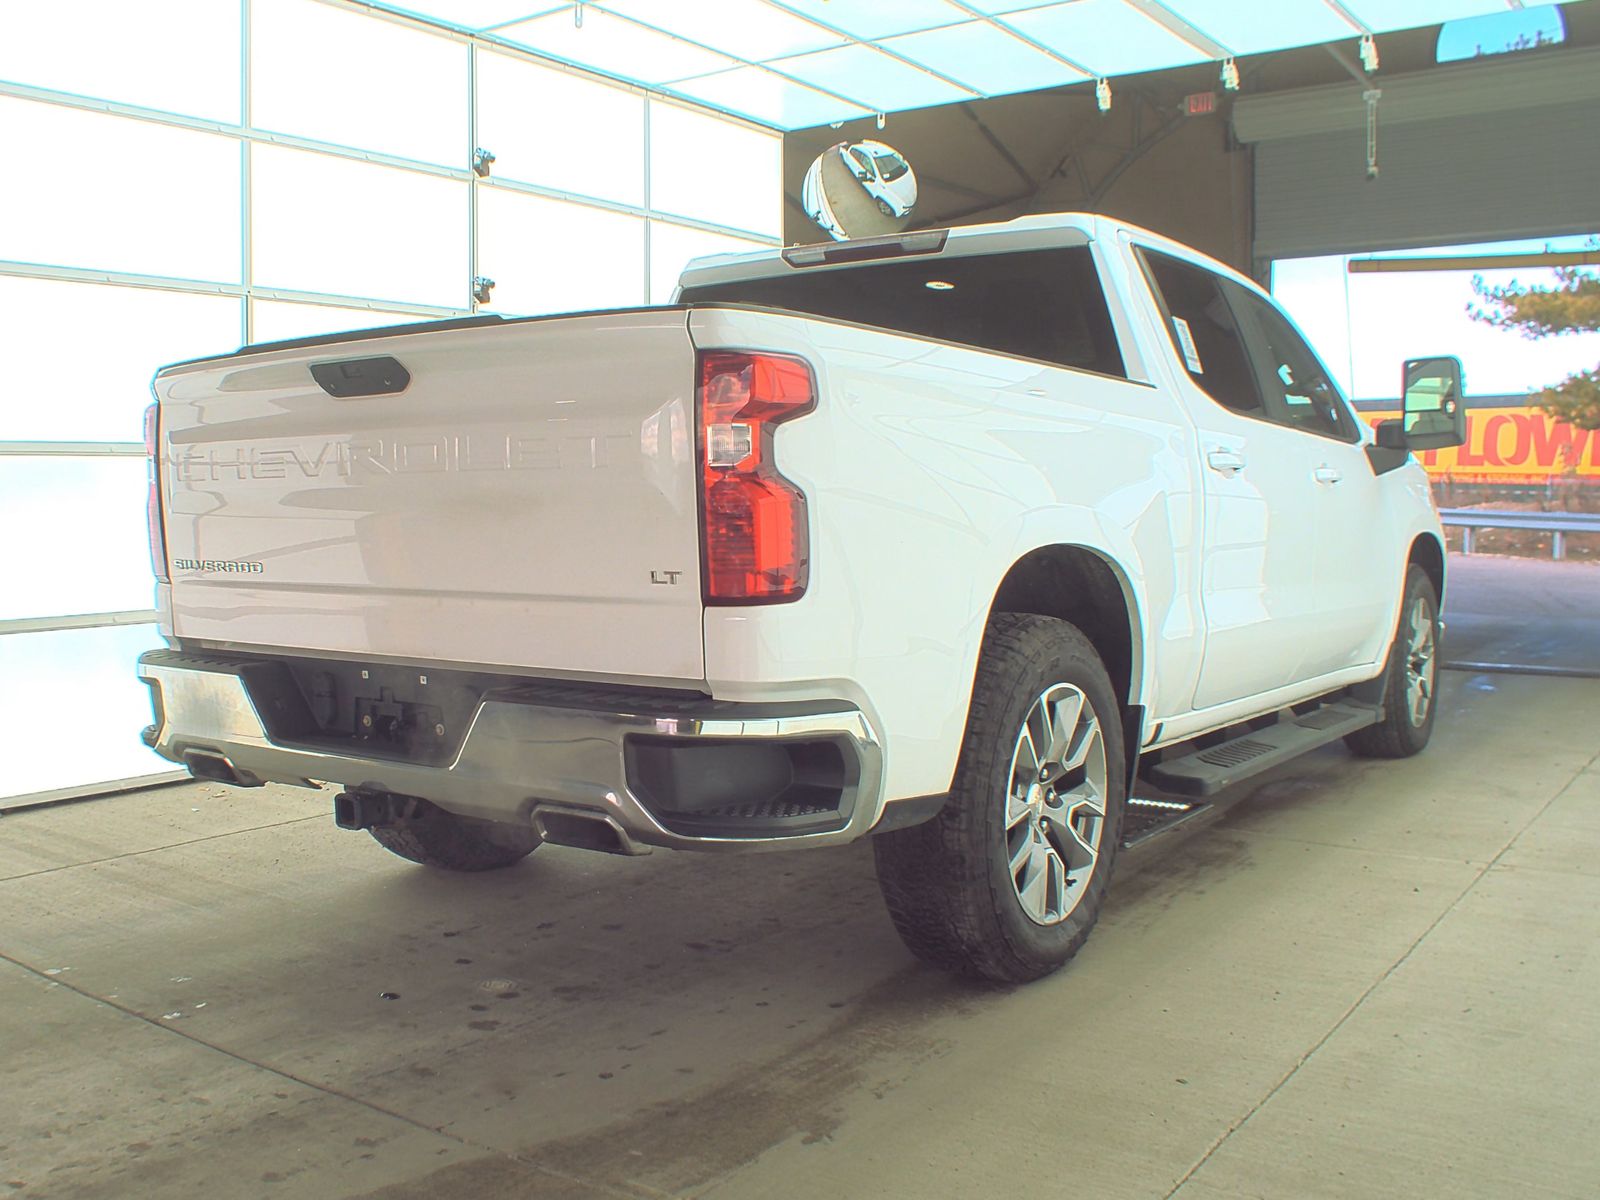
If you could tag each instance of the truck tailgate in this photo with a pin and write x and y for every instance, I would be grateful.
(527, 501)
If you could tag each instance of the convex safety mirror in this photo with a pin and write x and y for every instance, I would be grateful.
(1434, 412)
(859, 189)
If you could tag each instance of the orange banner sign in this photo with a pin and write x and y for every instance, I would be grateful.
(1512, 443)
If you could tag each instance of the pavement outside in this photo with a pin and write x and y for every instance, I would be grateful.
(1522, 612)
(1357, 979)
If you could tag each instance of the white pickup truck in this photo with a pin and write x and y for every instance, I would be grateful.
(946, 537)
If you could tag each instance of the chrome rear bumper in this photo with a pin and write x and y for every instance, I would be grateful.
(531, 756)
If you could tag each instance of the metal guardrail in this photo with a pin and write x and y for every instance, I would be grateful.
(1556, 524)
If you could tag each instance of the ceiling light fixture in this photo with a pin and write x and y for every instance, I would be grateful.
(883, 119)
(1102, 94)
(940, 285)
(1369, 53)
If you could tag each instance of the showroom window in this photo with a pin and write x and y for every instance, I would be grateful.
(204, 174)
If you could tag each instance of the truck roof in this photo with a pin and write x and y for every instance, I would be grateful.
(1034, 232)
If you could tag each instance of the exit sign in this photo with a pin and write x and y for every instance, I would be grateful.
(1200, 103)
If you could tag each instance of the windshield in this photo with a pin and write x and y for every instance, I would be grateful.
(891, 167)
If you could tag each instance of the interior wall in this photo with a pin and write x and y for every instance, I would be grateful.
(1192, 186)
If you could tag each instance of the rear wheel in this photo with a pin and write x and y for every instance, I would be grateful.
(1409, 677)
(1006, 882)
(436, 838)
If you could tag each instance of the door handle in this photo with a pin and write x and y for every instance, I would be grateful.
(1327, 474)
(1228, 462)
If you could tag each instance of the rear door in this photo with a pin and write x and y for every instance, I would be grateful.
(528, 500)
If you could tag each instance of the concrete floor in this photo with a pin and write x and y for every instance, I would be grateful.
(1356, 980)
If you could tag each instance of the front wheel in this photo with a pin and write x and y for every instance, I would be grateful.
(1410, 677)
(1006, 882)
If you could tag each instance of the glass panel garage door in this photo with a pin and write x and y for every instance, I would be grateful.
(330, 186)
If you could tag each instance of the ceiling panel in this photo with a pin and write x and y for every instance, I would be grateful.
(880, 19)
(616, 46)
(986, 58)
(1259, 26)
(881, 83)
(938, 51)
(754, 32)
(993, 7)
(768, 98)
(1107, 36)
(1384, 15)
(478, 14)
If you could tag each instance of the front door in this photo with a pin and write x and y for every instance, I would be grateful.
(1260, 540)
(1355, 589)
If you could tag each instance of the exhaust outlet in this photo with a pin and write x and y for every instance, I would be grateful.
(208, 764)
(584, 831)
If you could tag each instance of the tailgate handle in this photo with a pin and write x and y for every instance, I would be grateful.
(351, 377)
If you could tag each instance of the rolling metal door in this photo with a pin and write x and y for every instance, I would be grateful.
(1477, 152)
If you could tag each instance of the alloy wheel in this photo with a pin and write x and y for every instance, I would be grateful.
(1055, 804)
(1420, 664)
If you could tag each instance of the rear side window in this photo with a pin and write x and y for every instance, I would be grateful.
(1204, 333)
(1043, 304)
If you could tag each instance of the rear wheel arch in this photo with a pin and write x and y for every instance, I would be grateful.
(1080, 586)
(1084, 588)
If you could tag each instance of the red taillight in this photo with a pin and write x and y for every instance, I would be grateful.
(756, 546)
(152, 507)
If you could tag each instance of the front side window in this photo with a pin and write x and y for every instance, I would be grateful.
(1205, 334)
(1298, 391)
(1042, 304)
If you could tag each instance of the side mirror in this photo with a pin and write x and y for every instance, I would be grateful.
(1433, 404)
(1391, 435)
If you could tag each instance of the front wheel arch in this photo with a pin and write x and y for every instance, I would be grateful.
(1427, 552)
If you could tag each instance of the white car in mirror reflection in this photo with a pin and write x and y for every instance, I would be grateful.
(885, 175)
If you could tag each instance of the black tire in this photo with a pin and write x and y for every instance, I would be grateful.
(886, 208)
(436, 838)
(1413, 662)
(948, 882)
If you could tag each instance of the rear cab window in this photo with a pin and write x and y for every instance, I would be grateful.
(1047, 305)
(1204, 332)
